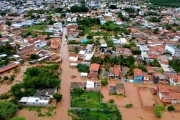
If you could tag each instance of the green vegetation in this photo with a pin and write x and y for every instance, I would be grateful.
(4, 96)
(7, 109)
(83, 68)
(40, 28)
(57, 96)
(89, 100)
(37, 78)
(171, 108)
(111, 100)
(104, 82)
(129, 105)
(7, 49)
(113, 7)
(175, 64)
(154, 19)
(76, 8)
(95, 115)
(117, 60)
(18, 118)
(157, 110)
(34, 56)
(155, 63)
(169, 3)
(6, 78)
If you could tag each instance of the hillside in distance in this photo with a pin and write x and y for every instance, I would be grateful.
(170, 3)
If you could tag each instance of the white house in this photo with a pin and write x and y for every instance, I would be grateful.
(73, 57)
(34, 101)
(175, 51)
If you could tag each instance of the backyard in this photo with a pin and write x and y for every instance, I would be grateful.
(89, 100)
(95, 115)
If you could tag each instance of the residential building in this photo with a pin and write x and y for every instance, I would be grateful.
(175, 51)
(138, 75)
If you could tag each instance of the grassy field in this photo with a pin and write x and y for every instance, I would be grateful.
(36, 28)
(89, 100)
(95, 115)
(170, 3)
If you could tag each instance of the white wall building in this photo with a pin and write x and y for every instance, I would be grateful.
(173, 49)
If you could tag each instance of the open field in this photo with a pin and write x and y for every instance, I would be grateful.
(89, 100)
(36, 28)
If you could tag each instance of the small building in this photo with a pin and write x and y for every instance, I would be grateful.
(89, 48)
(84, 75)
(138, 75)
(94, 69)
(173, 49)
(34, 101)
(9, 67)
(55, 43)
(73, 57)
(120, 88)
(48, 92)
(117, 71)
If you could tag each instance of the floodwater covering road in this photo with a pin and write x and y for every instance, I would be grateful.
(63, 106)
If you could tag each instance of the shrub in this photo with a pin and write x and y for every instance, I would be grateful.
(57, 96)
(107, 68)
(157, 110)
(104, 82)
(171, 108)
(129, 105)
(111, 101)
(6, 78)
(4, 96)
(12, 78)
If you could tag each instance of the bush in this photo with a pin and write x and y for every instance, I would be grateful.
(18, 118)
(78, 91)
(171, 108)
(12, 78)
(6, 78)
(157, 110)
(4, 96)
(104, 82)
(83, 68)
(7, 109)
(57, 96)
(107, 68)
(129, 105)
(111, 101)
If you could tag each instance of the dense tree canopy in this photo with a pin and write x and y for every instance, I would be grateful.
(76, 8)
(43, 77)
(83, 68)
(7, 49)
(113, 7)
(175, 64)
(7, 109)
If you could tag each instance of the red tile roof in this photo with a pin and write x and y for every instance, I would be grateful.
(8, 67)
(116, 69)
(138, 72)
(94, 67)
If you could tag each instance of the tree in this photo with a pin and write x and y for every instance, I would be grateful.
(175, 64)
(18, 118)
(83, 68)
(6, 78)
(34, 56)
(113, 7)
(76, 8)
(171, 108)
(104, 82)
(157, 110)
(111, 100)
(0, 36)
(136, 52)
(12, 77)
(107, 68)
(129, 105)
(7, 109)
(156, 31)
(78, 91)
(57, 96)
(8, 23)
